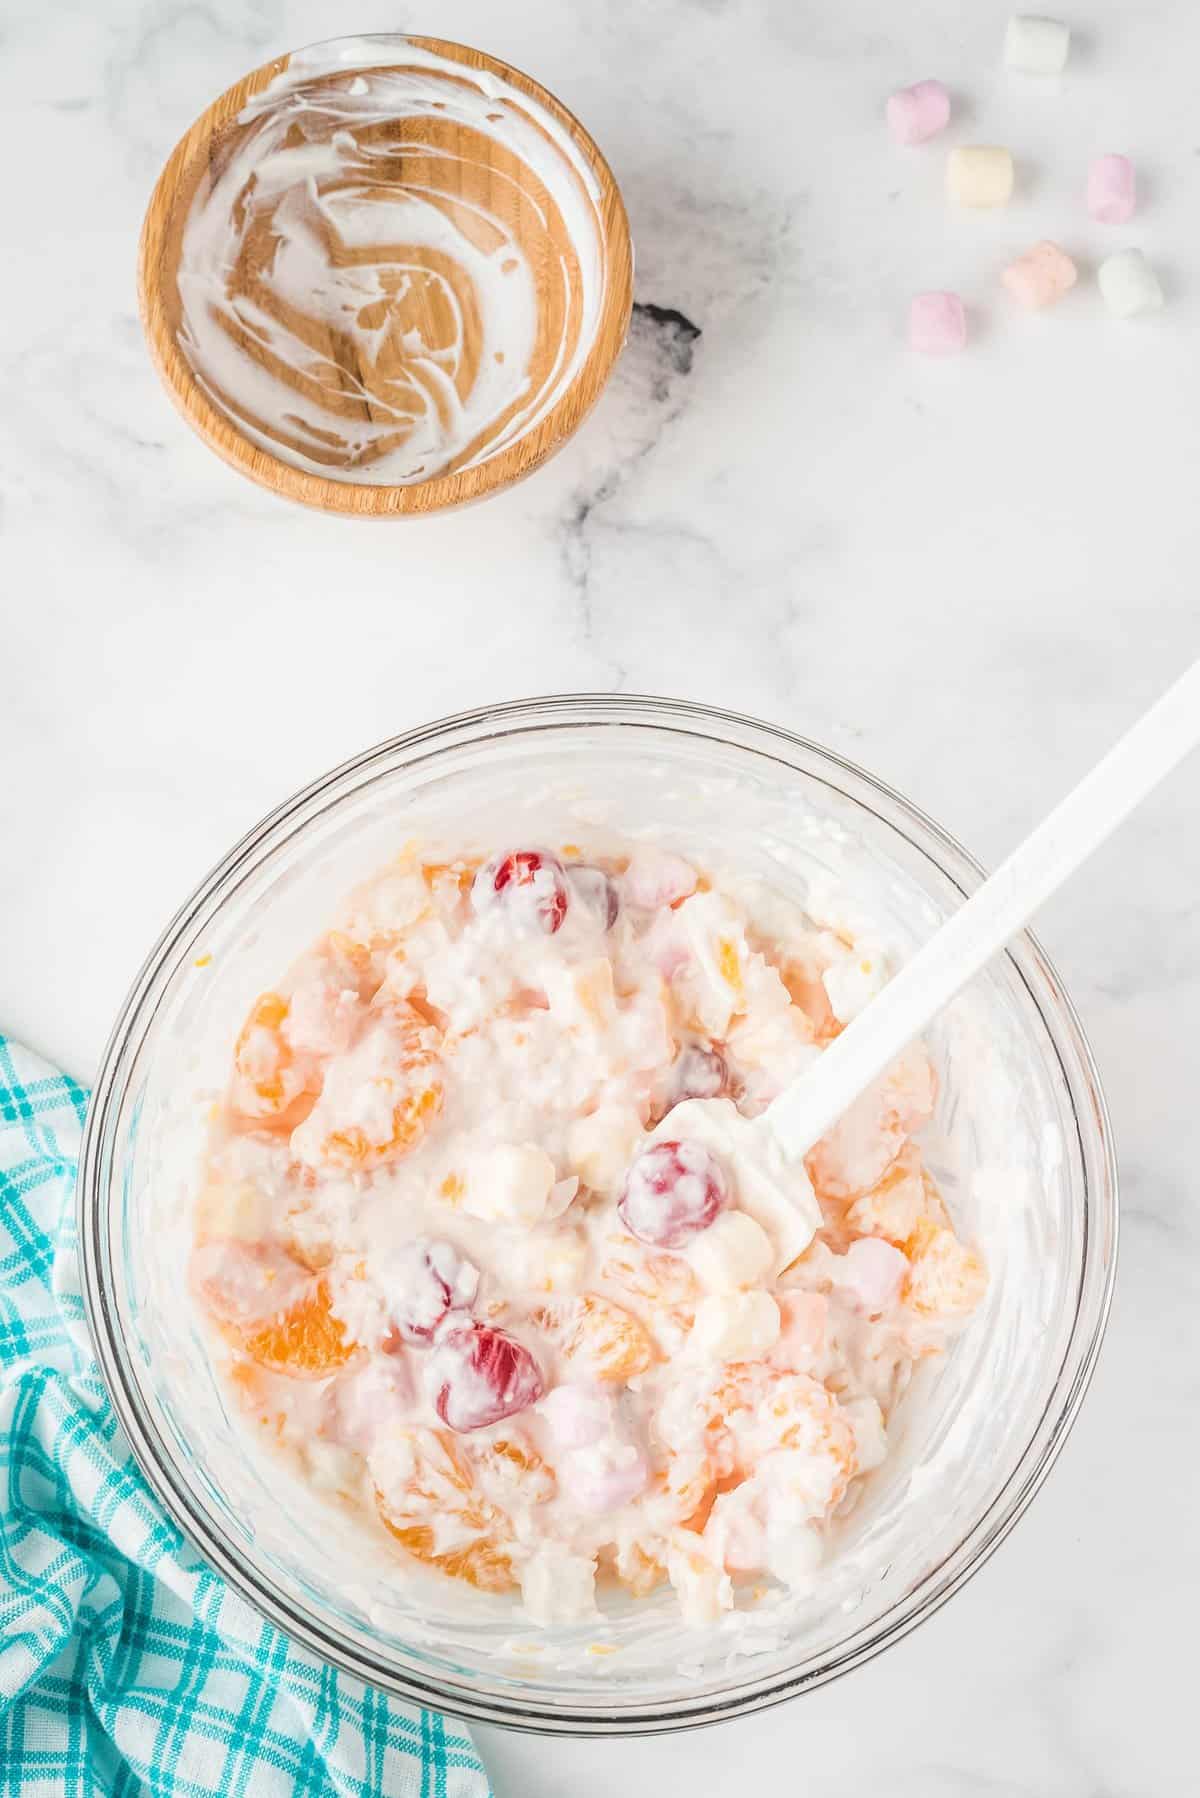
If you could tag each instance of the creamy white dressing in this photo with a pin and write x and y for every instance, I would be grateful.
(707, 1411)
(394, 266)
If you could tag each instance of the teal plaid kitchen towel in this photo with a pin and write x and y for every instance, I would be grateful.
(126, 1665)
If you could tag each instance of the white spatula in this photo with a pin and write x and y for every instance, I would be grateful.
(801, 1114)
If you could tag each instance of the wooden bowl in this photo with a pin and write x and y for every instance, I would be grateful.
(385, 275)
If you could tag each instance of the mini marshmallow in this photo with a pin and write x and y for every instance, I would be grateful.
(937, 324)
(734, 1251)
(980, 175)
(510, 1184)
(870, 1433)
(734, 1326)
(603, 1477)
(703, 1591)
(548, 1260)
(1036, 46)
(601, 1146)
(918, 112)
(855, 978)
(577, 1415)
(871, 1274)
(655, 877)
(1129, 285)
(1111, 189)
(1041, 276)
(558, 1586)
(794, 1556)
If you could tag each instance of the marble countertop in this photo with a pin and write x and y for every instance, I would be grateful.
(967, 575)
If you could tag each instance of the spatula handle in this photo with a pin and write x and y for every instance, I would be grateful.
(812, 1104)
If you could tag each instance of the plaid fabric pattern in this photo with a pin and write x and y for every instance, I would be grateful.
(126, 1666)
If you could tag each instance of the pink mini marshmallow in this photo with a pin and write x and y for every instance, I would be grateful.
(871, 1274)
(576, 1415)
(1041, 276)
(802, 1336)
(937, 324)
(360, 1405)
(597, 1481)
(1111, 189)
(666, 946)
(918, 112)
(655, 877)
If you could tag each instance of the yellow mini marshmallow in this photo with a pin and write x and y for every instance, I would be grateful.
(734, 1251)
(980, 175)
(510, 1184)
(734, 1326)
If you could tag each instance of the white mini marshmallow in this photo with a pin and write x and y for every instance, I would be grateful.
(734, 1251)
(853, 982)
(794, 1556)
(548, 1261)
(734, 1326)
(980, 175)
(558, 1586)
(1036, 46)
(870, 1433)
(1128, 284)
(510, 1184)
(703, 1590)
(601, 1147)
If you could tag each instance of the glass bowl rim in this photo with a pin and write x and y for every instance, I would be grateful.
(609, 1716)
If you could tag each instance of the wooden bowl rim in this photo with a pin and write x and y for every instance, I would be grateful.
(361, 498)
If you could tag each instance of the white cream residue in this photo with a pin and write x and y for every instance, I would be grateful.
(417, 1233)
(394, 266)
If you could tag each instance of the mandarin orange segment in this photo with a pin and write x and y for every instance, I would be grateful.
(729, 963)
(440, 1518)
(947, 1278)
(606, 1341)
(458, 874)
(686, 1480)
(892, 1207)
(380, 1098)
(806, 990)
(662, 1290)
(306, 1340)
(481, 1564)
(354, 956)
(511, 1469)
(663, 1281)
(449, 883)
(411, 1116)
(728, 1482)
(267, 1080)
(754, 1410)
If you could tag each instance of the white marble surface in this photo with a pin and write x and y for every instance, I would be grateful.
(967, 575)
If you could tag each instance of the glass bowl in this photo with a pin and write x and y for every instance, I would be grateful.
(1020, 1143)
